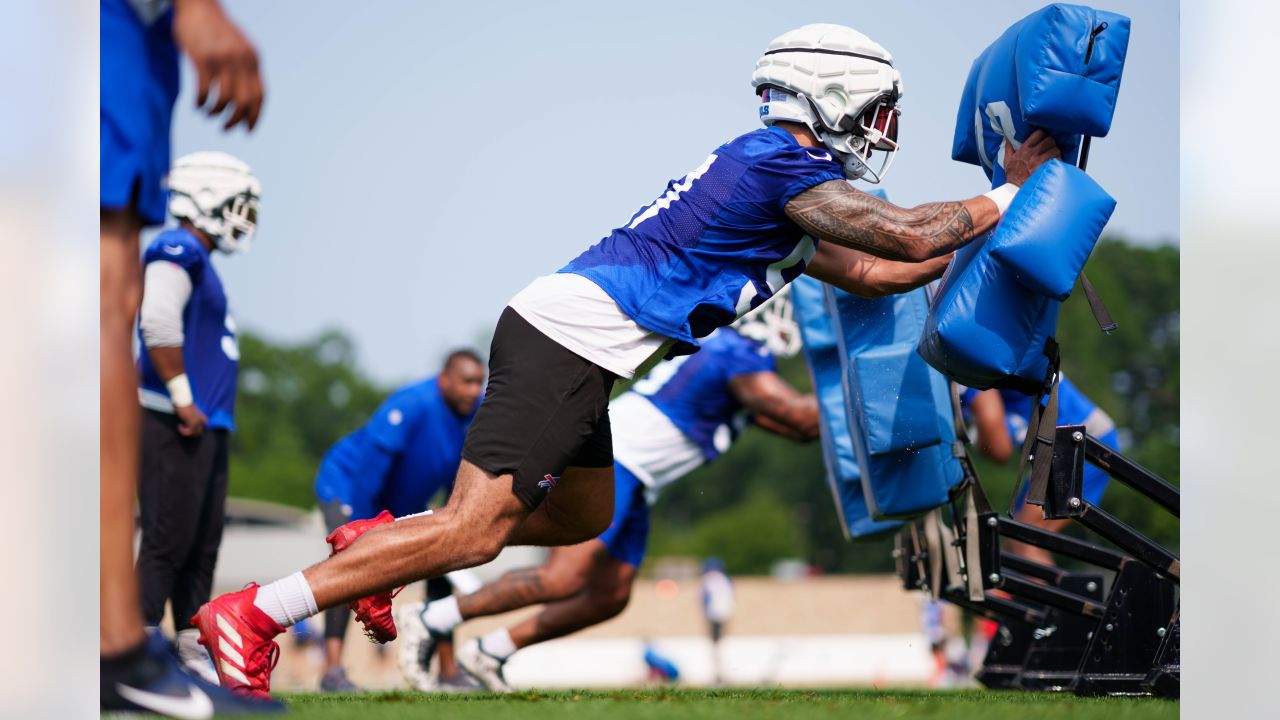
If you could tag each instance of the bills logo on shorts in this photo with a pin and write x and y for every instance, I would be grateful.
(548, 482)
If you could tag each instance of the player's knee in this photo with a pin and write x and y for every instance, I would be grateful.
(479, 536)
(612, 601)
(485, 547)
(562, 581)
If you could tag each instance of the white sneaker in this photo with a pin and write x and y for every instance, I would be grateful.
(485, 668)
(193, 656)
(418, 661)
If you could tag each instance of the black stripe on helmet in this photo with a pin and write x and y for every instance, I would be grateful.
(822, 51)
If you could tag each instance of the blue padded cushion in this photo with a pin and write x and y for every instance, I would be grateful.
(822, 355)
(901, 417)
(1050, 228)
(1035, 75)
(905, 419)
(998, 302)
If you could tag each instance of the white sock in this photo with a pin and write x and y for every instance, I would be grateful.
(442, 616)
(287, 600)
(498, 644)
(424, 513)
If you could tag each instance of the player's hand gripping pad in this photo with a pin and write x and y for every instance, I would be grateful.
(998, 303)
(808, 297)
(901, 418)
(1036, 74)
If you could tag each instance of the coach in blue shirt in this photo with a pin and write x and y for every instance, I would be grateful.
(398, 461)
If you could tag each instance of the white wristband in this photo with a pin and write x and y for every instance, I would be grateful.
(180, 390)
(1002, 196)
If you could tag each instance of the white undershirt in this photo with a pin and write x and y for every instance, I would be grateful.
(578, 314)
(647, 443)
(167, 288)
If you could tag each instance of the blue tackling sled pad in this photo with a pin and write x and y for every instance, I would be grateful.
(888, 422)
(808, 299)
(994, 317)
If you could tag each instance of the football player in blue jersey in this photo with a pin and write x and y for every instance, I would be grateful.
(1000, 419)
(140, 41)
(684, 414)
(396, 463)
(188, 367)
(763, 208)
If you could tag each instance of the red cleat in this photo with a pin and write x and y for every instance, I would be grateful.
(373, 612)
(238, 637)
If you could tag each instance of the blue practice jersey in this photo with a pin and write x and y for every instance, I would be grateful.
(407, 452)
(692, 391)
(717, 243)
(209, 349)
(139, 84)
(1074, 407)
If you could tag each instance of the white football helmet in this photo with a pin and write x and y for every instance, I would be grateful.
(773, 324)
(218, 194)
(839, 83)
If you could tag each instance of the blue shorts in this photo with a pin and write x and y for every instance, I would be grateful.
(138, 85)
(628, 533)
(1095, 478)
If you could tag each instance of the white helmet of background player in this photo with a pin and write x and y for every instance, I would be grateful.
(839, 83)
(772, 324)
(218, 194)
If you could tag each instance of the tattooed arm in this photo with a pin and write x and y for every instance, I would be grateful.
(836, 212)
(777, 406)
(869, 276)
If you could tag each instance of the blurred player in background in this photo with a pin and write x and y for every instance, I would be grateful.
(188, 367)
(396, 463)
(140, 41)
(1001, 417)
(717, 608)
(681, 416)
(761, 209)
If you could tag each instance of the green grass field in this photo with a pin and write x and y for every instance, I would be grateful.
(663, 704)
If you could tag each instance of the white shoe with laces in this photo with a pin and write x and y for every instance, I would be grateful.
(485, 668)
(417, 652)
(193, 656)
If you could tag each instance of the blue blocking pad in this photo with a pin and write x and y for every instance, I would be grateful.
(998, 303)
(1035, 75)
(1050, 229)
(893, 423)
(900, 413)
(808, 297)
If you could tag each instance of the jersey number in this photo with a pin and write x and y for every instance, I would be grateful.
(776, 276)
(673, 194)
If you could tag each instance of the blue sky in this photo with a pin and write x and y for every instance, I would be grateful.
(421, 162)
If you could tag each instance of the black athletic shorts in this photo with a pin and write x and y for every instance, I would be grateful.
(545, 409)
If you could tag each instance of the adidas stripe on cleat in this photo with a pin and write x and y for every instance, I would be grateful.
(240, 641)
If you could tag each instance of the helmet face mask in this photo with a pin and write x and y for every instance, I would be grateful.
(240, 216)
(773, 325)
